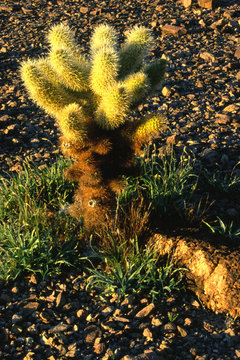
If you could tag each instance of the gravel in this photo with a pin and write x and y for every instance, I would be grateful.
(57, 318)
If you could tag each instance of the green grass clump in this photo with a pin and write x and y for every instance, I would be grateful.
(134, 272)
(223, 229)
(166, 182)
(35, 236)
(221, 183)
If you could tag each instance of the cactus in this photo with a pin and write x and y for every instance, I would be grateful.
(91, 100)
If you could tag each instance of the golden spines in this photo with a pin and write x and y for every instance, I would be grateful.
(47, 92)
(61, 36)
(137, 87)
(74, 74)
(103, 36)
(72, 124)
(137, 45)
(104, 70)
(113, 108)
(146, 129)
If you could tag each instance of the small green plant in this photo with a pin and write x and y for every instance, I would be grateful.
(35, 236)
(138, 271)
(172, 316)
(225, 230)
(222, 183)
(165, 182)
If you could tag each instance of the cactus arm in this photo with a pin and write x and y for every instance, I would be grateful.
(103, 36)
(137, 88)
(72, 124)
(113, 108)
(155, 72)
(146, 129)
(74, 74)
(48, 93)
(137, 45)
(104, 70)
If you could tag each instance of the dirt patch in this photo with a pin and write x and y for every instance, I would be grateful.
(214, 271)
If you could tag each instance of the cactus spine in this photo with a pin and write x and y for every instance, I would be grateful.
(91, 100)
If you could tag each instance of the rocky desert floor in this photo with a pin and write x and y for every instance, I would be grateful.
(56, 318)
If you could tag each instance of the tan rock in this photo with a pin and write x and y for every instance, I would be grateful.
(83, 9)
(207, 4)
(145, 311)
(187, 3)
(173, 30)
(215, 271)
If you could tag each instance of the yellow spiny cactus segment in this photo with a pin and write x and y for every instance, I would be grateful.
(61, 36)
(113, 108)
(104, 70)
(72, 124)
(103, 36)
(141, 37)
(44, 66)
(148, 128)
(46, 92)
(137, 45)
(137, 87)
(72, 73)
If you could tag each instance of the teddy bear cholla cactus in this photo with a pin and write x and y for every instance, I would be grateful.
(91, 100)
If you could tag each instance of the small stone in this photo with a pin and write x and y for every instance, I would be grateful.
(46, 341)
(187, 322)
(222, 119)
(6, 8)
(166, 91)
(182, 331)
(60, 300)
(32, 329)
(207, 4)
(147, 334)
(145, 311)
(83, 9)
(208, 57)
(33, 279)
(15, 290)
(237, 52)
(30, 307)
(99, 347)
(169, 327)
(231, 108)
(156, 322)
(81, 314)
(92, 333)
(173, 30)
(107, 311)
(16, 319)
(128, 301)
(187, 3)
(173, 139)
(58, 328)
(30, 356)
(237, 352)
